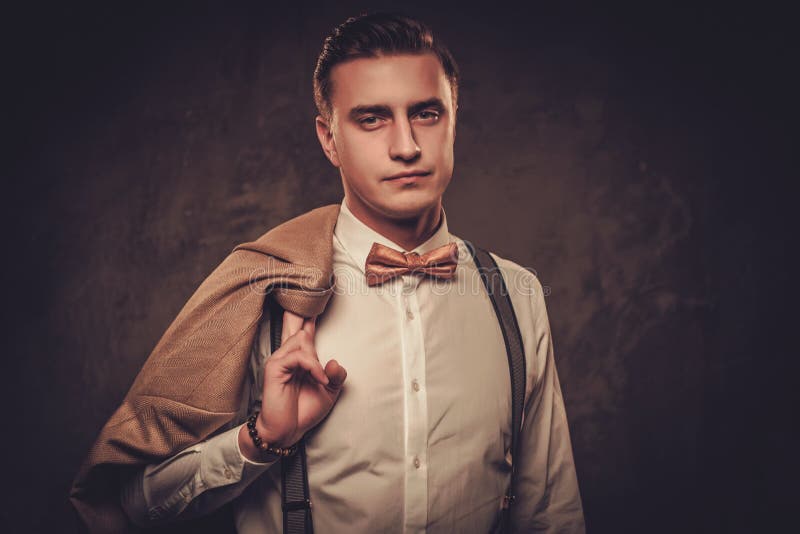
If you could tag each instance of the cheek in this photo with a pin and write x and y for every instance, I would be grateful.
(354, 150)
(441, 141)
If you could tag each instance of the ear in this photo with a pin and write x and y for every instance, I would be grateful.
(455, 120)
(325, 136)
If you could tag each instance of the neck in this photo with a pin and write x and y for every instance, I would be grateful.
(408, 233)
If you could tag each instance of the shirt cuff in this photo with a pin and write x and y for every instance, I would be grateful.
(223, 462)
(245, 458)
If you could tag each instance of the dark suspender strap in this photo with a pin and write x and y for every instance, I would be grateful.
(295, 497)
(296, 501)
(275, 325)
(501, 301)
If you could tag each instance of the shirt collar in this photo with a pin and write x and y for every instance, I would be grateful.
(357, 238)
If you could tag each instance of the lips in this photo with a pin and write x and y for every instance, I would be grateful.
(407, 174)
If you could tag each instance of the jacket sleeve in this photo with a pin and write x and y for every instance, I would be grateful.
(548, 498)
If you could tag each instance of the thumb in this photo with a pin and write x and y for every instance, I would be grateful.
(336, 374)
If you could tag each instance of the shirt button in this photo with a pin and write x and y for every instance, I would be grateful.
(228, 473)
(410, 315)
(415, 385)
(417, 463)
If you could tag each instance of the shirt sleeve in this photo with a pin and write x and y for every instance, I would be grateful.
(548, 499)
(194, 482)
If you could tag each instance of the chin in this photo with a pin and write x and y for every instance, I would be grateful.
(410, 207)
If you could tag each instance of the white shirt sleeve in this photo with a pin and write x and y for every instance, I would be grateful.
(194, 482)
(548, 498)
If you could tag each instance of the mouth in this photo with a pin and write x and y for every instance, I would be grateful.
(408, 176)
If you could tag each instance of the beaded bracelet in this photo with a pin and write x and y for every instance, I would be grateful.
(264, 447)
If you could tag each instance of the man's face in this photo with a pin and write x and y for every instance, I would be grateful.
(391, 115)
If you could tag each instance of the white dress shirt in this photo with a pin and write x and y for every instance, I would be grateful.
(418, 440)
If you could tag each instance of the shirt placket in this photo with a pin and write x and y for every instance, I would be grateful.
(416, 409)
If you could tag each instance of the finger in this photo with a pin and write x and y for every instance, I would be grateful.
(310, 326)
(291, 324)
(299, 341)
(305, 361)
(336, 374)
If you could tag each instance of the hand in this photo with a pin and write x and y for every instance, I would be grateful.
(298, 393)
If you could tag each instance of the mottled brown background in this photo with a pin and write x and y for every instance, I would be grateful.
(632, 157)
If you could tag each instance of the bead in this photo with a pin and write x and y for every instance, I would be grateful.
(261, 444)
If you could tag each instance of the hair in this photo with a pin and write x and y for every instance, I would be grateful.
(373, 35)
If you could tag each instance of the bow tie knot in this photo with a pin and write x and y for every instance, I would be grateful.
(384, 263)
(414, 260)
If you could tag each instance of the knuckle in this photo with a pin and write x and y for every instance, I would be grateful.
(312, 355)
(309, 358)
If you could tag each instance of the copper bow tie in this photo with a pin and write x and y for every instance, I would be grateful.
(384, 263)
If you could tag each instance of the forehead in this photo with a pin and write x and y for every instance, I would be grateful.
(392, 80)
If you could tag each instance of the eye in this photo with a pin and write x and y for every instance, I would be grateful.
(428, 115)
(369, 122)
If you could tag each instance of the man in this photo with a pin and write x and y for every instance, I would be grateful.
(408, 428)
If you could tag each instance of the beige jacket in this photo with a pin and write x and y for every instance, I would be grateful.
(190, 387)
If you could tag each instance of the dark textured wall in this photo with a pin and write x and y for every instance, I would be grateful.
(628, 156)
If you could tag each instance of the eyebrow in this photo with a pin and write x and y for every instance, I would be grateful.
(380, 109)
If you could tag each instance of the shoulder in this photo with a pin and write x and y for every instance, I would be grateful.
(515, 274)
(523, 285)
(524, 288)
(520, 280)
(306, 239)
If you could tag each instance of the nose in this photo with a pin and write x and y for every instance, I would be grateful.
(403, 145)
